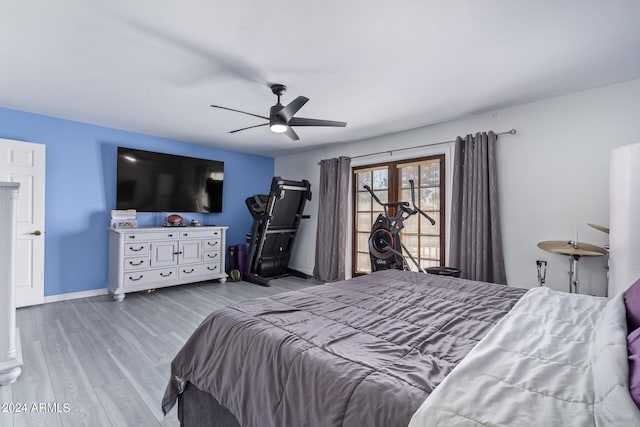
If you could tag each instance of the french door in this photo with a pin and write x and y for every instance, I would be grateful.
(390, 182)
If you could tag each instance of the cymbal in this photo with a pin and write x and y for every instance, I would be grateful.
(599, 228)
(565, 247)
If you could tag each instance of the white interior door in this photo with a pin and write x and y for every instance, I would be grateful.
(24, 162)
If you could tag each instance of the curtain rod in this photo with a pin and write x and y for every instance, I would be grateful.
(390, 152)
(510, 132)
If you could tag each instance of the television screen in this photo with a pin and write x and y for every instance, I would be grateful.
(156, 182)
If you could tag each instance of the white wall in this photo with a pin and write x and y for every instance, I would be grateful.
(553, 176)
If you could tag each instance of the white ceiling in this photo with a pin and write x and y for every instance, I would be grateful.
(155, 66)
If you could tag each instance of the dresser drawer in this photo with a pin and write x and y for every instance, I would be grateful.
(136, 263)
(194, 233)
(212, 256)
(142, 237)
(213, 268)
(137, 278)
(212, 244)
(136, 249)
(196, 270)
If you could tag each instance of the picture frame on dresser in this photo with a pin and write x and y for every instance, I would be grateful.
(155, 257)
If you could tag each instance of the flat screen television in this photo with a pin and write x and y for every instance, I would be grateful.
(156, 182)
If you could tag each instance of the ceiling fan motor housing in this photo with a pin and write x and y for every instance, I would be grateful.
(274, 117)
(278, 89)
(277, 123)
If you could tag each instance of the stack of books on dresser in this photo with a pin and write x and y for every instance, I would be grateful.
(124, 218)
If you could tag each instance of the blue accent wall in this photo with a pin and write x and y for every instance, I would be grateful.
(81, 191)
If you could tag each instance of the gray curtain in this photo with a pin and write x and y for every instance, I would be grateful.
(476, 241)
(332, 219)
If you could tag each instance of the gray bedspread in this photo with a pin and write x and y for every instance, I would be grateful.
(361, 352)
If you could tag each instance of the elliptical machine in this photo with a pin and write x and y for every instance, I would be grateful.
(385, 246)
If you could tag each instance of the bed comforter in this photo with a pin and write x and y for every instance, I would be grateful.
(362, 352)
(555, 360)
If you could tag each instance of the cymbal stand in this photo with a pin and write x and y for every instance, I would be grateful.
(574, 282)
(542, 272)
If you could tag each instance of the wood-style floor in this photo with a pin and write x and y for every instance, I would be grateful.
(105, 363)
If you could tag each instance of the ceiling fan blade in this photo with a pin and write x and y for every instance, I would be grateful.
(231, 64)
(249, 127)
(291, 134)
(238, 111)
(301, 121)
(292, 108)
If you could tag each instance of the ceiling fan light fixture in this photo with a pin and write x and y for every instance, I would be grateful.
(278, 128)
(277, 124)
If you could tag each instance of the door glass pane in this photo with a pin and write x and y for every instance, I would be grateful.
(382, 195)
(411, 243)
(430, 173)
(430, 247)
(364, 201)
(411, 225)
(364, 221)
(405, 196)
(380, 179)
(425, 224)
(364, 179)
(407, 173)
(363, 263)
(430, 198)
(363, 242)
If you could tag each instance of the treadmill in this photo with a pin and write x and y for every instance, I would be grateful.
(276, 218)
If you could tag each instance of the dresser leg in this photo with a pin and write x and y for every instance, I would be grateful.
(118, 297)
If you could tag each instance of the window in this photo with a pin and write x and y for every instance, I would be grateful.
(390, 182)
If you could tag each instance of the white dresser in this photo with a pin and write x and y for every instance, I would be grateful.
(150, 258)
(10, 354)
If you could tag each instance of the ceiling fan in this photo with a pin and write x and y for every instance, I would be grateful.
(281, 117)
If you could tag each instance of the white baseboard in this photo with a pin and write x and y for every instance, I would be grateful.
(75, 295)
(302, 270)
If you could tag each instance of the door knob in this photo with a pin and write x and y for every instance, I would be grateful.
(36, 233)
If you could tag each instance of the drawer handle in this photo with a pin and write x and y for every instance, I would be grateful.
(132, 237)
(135, 280)
(134, 263)
(188, 272)
(136, 250)
(166, 275)
(212, 244)
(178, 253)
(170, 235)
(212, 268)
(212, 256)
(185, 234)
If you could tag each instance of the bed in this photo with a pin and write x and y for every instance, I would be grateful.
(398, 348)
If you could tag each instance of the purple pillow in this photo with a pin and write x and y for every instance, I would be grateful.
(632, 305)
(633, 349)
